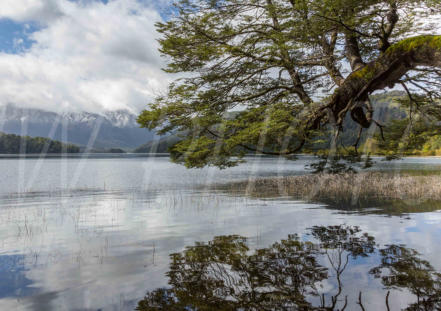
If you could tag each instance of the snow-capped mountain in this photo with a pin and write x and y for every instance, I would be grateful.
(113, 129)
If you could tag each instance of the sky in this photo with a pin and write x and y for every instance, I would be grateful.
(81, 55)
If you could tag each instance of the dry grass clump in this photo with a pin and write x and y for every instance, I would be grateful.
(353, 189)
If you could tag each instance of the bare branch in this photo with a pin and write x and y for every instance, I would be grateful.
(360, 303)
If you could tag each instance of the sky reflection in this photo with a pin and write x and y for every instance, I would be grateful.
(104, 249)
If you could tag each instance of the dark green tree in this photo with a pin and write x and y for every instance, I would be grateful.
(14, 144)
(416, 132)
(267, 76)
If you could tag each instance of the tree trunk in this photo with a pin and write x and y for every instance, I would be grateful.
(384, 72)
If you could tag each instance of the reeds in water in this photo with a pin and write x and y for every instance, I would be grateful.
(349, 189)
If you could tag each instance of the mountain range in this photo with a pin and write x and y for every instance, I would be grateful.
(112, 129)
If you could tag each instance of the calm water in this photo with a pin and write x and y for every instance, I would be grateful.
(97, 234)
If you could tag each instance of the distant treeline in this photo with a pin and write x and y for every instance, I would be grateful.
(14, 144)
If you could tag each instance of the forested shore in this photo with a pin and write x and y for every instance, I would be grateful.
(15, 144)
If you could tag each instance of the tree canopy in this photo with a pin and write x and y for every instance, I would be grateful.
(270, 76)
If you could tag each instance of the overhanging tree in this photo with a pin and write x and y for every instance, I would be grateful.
(269, 76)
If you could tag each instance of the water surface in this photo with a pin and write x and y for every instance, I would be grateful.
(97, 233)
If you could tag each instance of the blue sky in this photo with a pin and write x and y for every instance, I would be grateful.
(82, 55)
(14, 36)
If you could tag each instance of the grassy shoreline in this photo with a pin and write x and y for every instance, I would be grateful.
(401, 192)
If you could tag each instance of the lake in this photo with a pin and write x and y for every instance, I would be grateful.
(98, 232)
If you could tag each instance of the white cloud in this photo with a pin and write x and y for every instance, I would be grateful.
(88, 56)
(30, 10)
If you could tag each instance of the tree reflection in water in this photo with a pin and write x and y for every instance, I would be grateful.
(402, 268)
(225, 275)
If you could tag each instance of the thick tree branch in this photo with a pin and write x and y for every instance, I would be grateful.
(353, 51)
(384, 72)
(330, 60)
(386, 31)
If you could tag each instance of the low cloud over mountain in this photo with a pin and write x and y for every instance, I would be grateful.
(117, 129)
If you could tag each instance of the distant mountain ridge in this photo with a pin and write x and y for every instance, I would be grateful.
(161, 145)
(113, 129)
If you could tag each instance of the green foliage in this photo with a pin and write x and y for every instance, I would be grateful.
(253, 70)
(419, 133)
(403, 137)
(416, 43)
(14, 144)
